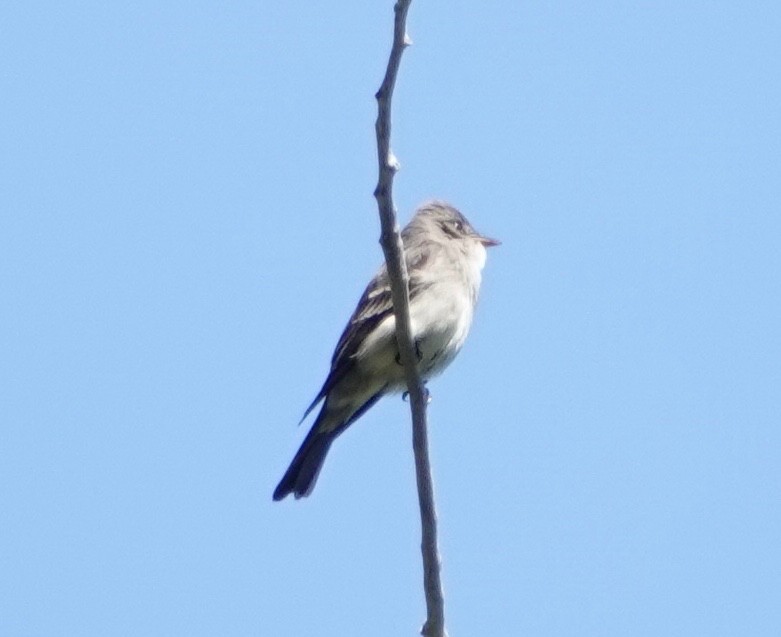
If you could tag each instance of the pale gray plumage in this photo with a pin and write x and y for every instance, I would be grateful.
(444, 257)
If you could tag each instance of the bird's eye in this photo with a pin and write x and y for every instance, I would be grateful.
(453, 228)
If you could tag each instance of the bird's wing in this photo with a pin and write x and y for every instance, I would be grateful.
(375, 305)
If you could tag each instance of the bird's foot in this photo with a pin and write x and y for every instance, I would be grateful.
(426, 394)
(418, 353)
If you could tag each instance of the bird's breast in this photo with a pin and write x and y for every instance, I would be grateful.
(440, 324)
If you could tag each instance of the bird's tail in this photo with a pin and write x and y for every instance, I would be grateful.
(301, 475)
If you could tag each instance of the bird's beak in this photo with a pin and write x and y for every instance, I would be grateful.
(488, 242)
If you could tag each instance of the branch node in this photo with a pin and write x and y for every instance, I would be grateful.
(393, 162)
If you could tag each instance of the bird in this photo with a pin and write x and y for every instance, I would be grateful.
(444, 255)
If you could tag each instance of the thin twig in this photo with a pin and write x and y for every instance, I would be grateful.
(392, 246)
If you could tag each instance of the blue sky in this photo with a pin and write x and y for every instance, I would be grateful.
(188, 221)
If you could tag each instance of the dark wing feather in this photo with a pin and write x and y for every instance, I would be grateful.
(375, 305)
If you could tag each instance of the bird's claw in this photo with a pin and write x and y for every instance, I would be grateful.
(418, 353)
(426, 394)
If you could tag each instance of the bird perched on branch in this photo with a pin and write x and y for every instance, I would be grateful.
(444, 256)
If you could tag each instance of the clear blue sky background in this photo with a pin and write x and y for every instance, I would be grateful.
(187, 221)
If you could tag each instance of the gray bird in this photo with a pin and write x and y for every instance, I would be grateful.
(444, 257)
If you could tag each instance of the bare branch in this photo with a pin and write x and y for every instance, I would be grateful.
(392, 246)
